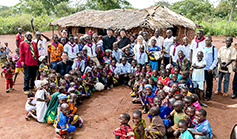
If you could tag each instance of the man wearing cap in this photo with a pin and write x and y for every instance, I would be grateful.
(124, 41)
(28, 58)
(71, 48)
(108, 40)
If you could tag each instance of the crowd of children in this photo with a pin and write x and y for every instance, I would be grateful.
(170, 94)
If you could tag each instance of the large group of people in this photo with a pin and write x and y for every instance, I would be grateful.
(166, 77)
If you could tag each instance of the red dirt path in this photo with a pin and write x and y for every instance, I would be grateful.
(100, 112)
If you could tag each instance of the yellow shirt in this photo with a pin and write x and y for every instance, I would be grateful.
(227, 54)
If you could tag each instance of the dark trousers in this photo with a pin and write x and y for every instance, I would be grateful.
(235, 84)
(209, 84)
(123, 79)
(166, 60)
(29, 77)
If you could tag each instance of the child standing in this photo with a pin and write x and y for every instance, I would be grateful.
(141, 56)
(198, 76)
(182, 62)
(8, 71)
(157, 128)
(124, 131)
(7, 49)
(140, 125)
(18, 66)
(43, 66)
(3, 57)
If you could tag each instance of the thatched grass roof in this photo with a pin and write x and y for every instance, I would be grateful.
(152, 17)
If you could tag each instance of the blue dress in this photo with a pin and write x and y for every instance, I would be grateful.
(154, 63)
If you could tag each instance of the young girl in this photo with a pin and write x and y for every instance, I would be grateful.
(148, 69)
(41, 98)
(107, 58)
(182, 62)
(8, 71)
(139, 68)
(30, 105)
(18, 65)
(100, 53)
(43, 66)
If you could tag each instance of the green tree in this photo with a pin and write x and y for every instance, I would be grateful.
(194, 9)
(5, 11)
(107, 4)
(63, 9)
(233, 4)
(164, 3)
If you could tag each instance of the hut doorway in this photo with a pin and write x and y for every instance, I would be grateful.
(102, 32)
(82, 30)
(174, 30)
(69, 29)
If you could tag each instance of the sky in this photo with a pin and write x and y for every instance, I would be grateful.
(135, 3)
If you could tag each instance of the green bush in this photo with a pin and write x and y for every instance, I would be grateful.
(221, 27)
(9, 25)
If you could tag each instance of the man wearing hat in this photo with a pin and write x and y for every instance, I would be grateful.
(109, 39)
(28, 58)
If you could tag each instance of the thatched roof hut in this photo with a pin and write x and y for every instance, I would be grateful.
(147, 19)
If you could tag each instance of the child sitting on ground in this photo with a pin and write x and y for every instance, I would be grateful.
(30, 105)
(61, 124)
(148, 99)
(125, 130)
(128, 55)
(148, 69)
(139, 125)
(157, 128)
(183, 126)
(202, 129)
(164, 79)
(177, 115)
(8, 71)
(43, 66)
(194, 98)
(189, 83)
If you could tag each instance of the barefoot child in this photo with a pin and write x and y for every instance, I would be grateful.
(157, 128)
(124, 131)
(8, 71)
(198, 76)
(18, 66)
(139, 125)
(30, 105)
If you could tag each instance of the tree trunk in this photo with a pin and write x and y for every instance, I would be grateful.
(232, 10)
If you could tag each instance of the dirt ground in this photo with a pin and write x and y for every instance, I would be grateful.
(100, 112)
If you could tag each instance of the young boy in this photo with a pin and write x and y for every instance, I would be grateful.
(202, 129)
(157, 128)
(8, 71)
(189, 83)
(79, 63)
(61, 124)
(117, 53)
(128, 55)
(139, 125)
(177, 115)
(198, 76)
(185, 134)
(7, 49)
(125, 130)
(148, 103)
(141, 56)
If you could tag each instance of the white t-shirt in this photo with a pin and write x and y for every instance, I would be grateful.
(175, 56)
(193, 47)
(198, 74)
(71, 53)
(91, 51)
(187, 51)
(168, 42)
(159, 41)
(42, 47)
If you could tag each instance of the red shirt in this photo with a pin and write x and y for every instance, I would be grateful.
(8, 73)
(20, 38)
(25, 54)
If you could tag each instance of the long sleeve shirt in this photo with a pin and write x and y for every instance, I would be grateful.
(91, 52)
(141, 58)
(80, 65)
(118, 54)
(26, 55)
(208, 57)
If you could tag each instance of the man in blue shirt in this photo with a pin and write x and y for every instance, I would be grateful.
(124, 68)
(211, 58)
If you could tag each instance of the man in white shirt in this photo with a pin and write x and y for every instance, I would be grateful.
(71, 48)
(174, 50)
(159, 39)
(186, 46)
(197, 44)
(91, 50)
(168, 42)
